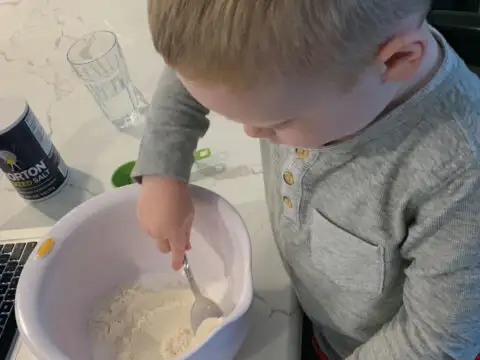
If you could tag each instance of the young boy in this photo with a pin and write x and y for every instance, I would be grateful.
(370, 144)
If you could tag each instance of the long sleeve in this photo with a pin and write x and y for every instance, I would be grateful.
(174, 125)
(440, 317)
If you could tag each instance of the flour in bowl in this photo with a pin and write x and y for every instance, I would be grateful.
(140, 323)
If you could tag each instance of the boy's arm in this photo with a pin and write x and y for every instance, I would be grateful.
(174, 124)
(440, 318)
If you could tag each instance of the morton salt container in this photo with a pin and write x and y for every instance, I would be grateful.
(27, 156)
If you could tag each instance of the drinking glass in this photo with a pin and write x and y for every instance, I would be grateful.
(98, 61)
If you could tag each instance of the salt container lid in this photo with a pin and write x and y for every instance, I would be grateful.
(12, 110)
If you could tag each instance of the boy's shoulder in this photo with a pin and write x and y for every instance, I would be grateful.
(460, 102)
(439, 141)
(449, 131)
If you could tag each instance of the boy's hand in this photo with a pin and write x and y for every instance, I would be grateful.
(165, 211)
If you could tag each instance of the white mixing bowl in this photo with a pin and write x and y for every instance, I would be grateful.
(99, 246)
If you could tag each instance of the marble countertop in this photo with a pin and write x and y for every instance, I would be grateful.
(35, 37)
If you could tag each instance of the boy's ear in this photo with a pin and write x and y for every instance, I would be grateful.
(401, 56)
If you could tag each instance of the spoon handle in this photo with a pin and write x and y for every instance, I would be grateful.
(191, 280)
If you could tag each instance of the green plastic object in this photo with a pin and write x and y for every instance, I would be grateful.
(201, 154)
(123, 175)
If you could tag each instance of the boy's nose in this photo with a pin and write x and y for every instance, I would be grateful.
(256, 132)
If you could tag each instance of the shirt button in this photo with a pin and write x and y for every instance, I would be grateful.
(302, 153)
(287, 202)
(288, 177)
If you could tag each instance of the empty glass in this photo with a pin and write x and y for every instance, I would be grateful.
(98, 61)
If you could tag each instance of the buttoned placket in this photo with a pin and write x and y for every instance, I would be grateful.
(296, 166)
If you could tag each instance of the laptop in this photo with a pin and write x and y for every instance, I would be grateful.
(15, 248)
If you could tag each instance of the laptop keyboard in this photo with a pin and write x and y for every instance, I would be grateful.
(12, 259)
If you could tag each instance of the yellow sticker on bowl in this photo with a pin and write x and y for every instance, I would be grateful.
(45, 247)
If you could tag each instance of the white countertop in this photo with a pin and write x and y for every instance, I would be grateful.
(34, 38)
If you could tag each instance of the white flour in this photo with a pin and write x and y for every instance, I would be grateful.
(139, 323)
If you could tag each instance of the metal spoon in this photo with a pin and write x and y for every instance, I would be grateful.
(203, 308)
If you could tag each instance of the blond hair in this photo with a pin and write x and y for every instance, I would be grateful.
(239, 42)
